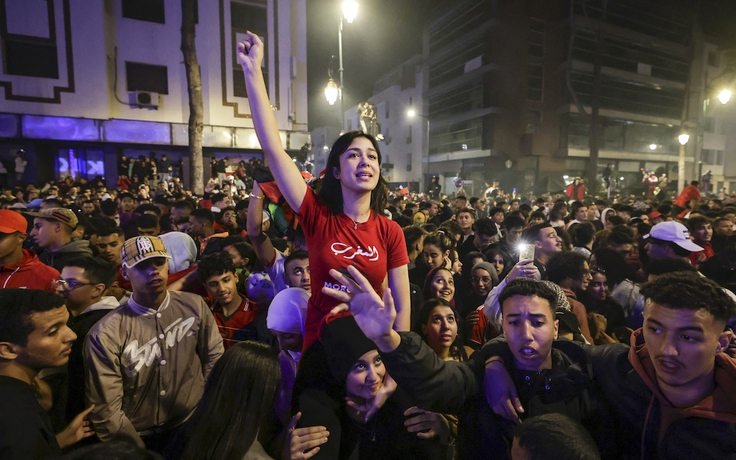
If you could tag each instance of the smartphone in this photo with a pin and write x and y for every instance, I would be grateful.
(526, 251)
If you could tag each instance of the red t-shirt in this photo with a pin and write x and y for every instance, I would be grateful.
(237, 327)
(375, 247)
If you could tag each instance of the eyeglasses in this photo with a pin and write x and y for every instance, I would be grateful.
(68, 285)
(597, 270)
(485, 279)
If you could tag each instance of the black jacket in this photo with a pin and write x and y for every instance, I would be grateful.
(321, 400)
(567, 388)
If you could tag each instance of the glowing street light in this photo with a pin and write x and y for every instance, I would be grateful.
(683, 138)
(724, 96)
(332, 92)
(652, 146)
(350, 10)
(411, 113)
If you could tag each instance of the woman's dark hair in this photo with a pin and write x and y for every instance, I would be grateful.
(330, 189)
(441, 240)
(426, 292)
(508, 262)
(467, 261)
(457, 351)
(452, 229)
(246, 251)
(238, 395)
(615, 265)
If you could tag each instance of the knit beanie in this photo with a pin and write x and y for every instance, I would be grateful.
(344, 344)
(489, 268)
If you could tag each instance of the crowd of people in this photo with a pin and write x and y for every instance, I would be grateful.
(333, 319)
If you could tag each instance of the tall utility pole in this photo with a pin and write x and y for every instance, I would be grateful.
(194, 87)
(595, 130)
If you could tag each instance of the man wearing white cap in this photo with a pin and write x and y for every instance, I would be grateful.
(148, 359)
(669, 239)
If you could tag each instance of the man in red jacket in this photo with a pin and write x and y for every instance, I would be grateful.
(20, 267)
(689, 193)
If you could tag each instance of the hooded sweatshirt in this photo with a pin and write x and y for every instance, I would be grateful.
(704, 430)
(30, 273)
(59, 258)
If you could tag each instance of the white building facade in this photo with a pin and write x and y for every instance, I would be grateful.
(86, 81)
(404, 144)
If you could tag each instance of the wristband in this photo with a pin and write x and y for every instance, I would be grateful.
(256, 197)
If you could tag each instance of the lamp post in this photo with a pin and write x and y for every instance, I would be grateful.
(724, 96)
(411, 113)
(349, 12)
(683, 140)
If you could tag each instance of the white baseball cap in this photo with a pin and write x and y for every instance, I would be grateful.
(674, 232)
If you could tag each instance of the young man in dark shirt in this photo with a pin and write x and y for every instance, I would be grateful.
(33, 336)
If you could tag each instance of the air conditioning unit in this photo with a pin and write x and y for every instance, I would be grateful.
(147, 99)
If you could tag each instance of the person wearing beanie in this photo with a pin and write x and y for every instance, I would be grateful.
(343, 364)
(20, 267)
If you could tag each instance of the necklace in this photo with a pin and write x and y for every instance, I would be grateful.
(355, 223)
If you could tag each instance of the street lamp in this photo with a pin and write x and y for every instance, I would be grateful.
(350, 10)
(411, 113)
(349, 13)
(332, 92)
(683, 138)
(724, 96)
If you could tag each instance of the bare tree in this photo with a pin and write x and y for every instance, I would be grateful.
(194, 87)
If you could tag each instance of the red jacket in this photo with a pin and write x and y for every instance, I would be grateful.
(29, 274)
(689, 193)
(575, 192)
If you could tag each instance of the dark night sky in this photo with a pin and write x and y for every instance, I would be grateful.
(385, 33)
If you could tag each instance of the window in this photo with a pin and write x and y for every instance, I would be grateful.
(409, 137)
(713, 58)
(30, 59)
(719, 157)
(145, 10)
(708, 157)
(535, 82)
(248, 17)
(408, 162)
(147, 77)
(709, 126)
(536, 37)
(387, 108)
